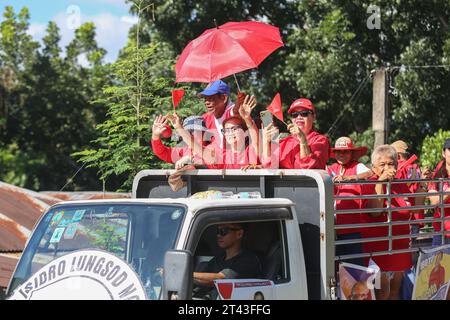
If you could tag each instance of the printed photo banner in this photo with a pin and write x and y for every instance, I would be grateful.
(432, 274)
(357, 282)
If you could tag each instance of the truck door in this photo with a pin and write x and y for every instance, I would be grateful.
(266, 237)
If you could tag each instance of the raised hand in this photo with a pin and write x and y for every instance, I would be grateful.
(175, 120)
(269, 132)
(158, 126)
(297, 132)
(186, 160)
(426, 173)
(245, 108)
(240, 99)
(387, 174)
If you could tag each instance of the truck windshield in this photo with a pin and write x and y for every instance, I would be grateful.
(136, 233)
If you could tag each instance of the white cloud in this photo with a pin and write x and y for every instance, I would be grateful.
(111, 31)
(129, 19)
(118, 3)
(37, 30)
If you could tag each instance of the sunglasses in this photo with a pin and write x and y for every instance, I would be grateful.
(303, 113)
(226, 230)
(230, 130)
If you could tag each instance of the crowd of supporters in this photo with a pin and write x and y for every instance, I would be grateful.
(226, 136)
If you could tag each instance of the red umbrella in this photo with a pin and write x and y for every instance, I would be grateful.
(226, 50)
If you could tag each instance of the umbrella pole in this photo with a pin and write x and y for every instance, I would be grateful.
(235, 79)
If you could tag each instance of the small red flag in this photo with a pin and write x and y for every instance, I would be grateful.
(275, 107)
(176, 96)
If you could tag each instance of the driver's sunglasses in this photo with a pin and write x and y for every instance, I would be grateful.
(226, 230)
(230, 130)
(303, 113)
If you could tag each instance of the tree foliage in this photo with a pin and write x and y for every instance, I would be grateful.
(46, 109)
(329, 53)
(52, 106)
(432, 148)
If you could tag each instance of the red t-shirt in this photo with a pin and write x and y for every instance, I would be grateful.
(437, 213)
(226, 159)
(290, 152)
(172, 154)
(409, 171)
(349, 190)
(398, 261)
(406, 172)
(210, 123)
(169, 154)
(437, 277)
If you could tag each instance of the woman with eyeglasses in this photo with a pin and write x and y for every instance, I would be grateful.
(304, 148)
(193, 128)
(238, 152)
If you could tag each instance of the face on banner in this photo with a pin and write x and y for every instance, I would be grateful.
(356, 282)
(433, 274)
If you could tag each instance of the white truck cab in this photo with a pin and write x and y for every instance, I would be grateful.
(163, 236)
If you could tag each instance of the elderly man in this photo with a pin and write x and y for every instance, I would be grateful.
(359, 291)
(384, 166)
(219, 107)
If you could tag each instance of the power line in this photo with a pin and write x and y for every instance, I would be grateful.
(421, 67)
(354, 96)
(71, 179)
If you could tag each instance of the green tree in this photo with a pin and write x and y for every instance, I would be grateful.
(48, 101)
(141, 90)
(329, 53)
(431, 153)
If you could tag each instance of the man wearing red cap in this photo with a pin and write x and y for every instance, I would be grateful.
(304, 148)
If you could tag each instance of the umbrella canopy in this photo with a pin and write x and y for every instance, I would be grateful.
(225, 50)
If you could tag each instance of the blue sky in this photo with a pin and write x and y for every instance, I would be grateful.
(111, 17)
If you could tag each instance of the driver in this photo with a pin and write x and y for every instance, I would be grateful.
(235, 263)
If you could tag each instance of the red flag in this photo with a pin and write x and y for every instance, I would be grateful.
(275, 107)
(176, 96)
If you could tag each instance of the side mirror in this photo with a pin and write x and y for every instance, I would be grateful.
(178, 268)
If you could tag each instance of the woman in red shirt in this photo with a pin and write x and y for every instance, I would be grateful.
(238, 152)
(442, 171)
(348, 168)
(193, 128)
(304, 148)
(384, 165)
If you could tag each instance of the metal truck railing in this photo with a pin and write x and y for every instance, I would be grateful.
(423, 234)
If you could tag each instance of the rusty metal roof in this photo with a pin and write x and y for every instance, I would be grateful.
(7, 265)
(20, 209)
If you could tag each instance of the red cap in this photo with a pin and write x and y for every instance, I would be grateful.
(301, 104)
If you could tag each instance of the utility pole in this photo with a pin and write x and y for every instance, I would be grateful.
(380, 110)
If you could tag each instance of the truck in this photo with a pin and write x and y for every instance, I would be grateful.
(147, 247)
